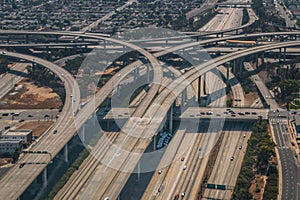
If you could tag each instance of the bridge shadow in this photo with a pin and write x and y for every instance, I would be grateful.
(17, 73)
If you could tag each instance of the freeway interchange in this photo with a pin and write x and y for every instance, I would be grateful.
(152, 109)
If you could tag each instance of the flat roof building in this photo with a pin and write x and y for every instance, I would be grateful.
(24, 135)
(10, 146)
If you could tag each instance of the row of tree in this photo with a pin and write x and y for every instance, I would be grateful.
(257, 161)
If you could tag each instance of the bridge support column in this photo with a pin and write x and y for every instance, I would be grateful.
(234, 67)
(263, 58)
(66, 153)
(279, 55)
(236, 31)
(154, 142)
(171, 120)
(26, 38)
(199, 91)
(45, 181)
(82, 133)
(284, 54)
(256, 60)
(136, 74)
(166, 42)
(227, 78)
(139, 171)
(183, 99)
(104, 44)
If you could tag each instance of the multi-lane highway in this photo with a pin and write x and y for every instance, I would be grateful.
(17, 180)
(290, 168)
(229, 58)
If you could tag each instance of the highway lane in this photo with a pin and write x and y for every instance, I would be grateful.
(262, 88)
(8, 81)
(225, 170)
(127, 160)
(289, 166)
(236, 88)
(16, 180)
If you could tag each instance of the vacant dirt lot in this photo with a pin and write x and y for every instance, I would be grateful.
(29, 96)
(5, 161)
(37, 127)
(257, 187)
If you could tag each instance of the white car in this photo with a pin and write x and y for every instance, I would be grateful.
(3, 52)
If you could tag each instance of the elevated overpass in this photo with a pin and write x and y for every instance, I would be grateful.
(110, 184)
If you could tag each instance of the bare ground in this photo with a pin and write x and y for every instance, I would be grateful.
(30, 97)
(258, 183)
(37, 127)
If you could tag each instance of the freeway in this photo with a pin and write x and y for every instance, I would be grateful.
(290, 169)
(126, 157)
(262, 88)
(229, 161)
(295, 43)
(16, 180)
(8, 81)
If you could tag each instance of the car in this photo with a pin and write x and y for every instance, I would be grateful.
(62, 74)
(21, 165)
(29, 116)
(3, 52)
(254, 113)
(55, 131)
(71, 95)
(106, 198)
(21, 120)
(184, 167)
(4, 114)
(182, 158)
(244, 135)
(182, 194)
(247, 113)
(240, 147)
(46, 115)
(231, 158)
(159, 171)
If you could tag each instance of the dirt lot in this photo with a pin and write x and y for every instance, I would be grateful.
(37, 127)
(5, 161)
(30, 97)
(258, 183)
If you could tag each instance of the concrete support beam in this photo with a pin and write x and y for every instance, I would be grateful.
(199, 91)
(284, 54)
(82, 133)
(45, 181)
(279, 55)
(171, 120)
(66, 153)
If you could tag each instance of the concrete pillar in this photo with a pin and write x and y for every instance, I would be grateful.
(82, 134)
(199, 91)
(234, 67)
(279, 55)
(45, 181)
(26, 38)
(236, 31)
(204, 84)
(263, 58)
(284, 54)
(171, 120)
(183, 99)
(104, 44)
(139, 171)
(222, 34)
(154, 142)
(66, 153)
(256, 60)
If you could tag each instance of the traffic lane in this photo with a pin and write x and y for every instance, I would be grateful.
(32, 114)
(288, 166)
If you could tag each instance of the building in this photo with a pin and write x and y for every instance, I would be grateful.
(297, 125)
(24, 135)
(10, 146)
